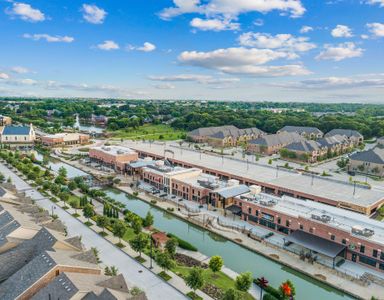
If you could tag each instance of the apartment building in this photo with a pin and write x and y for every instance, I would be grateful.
(311, 133)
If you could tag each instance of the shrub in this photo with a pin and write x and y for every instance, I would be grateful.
(269, 297)
(183, 244)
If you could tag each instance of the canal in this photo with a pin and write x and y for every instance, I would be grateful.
(235, 257)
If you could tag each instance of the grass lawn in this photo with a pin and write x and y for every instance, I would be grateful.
(220, 280)
(103, 234)
(129, 234)
(165, 276)
(149, 132)
(74, 199)
(194, 296)
(140, 259)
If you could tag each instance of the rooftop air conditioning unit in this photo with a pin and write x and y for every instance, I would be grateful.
(233, 182)
(255, 189)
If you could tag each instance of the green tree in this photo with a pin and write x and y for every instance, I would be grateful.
(136, 224)
(216, 263)
(110, 271)
(164, 260)
(119, 228)
(102, 221)
(231, 294)
(139, 242)
(64, 196)
(62, 172)
(195, 279)
(72, 185)
(244, 281)
(148, 220)
(171, 246)
(88, 211)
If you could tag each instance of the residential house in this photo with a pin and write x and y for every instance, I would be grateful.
(311, 133)
(355, 137)
(305, 150)
(224, 136)
(272, 143)
(368, 162)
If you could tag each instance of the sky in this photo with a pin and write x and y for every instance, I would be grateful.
(241, 50)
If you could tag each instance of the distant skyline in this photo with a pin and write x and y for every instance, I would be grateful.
(248, 50)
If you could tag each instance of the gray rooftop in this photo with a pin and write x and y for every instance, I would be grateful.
(224, 131)
(278, 139)
(304, 146)
(344, 132)
(375, 155)
(6, 230)
(233, 191)
(59, 288)
(301, 129)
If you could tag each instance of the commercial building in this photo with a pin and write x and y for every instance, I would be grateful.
(65, 139)
(223, 136)
(18, 136)
(322, 229)
(273, 180)
(306, 132)
(115, 157)
(368, 162)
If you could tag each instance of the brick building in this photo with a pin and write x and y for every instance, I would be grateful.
(115, 157)
(65, 139)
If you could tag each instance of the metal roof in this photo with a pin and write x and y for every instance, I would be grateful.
(16, 130)
(315, 243)
(233, 191)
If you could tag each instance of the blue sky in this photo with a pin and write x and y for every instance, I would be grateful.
(256, 50)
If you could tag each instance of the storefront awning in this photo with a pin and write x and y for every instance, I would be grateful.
(315, 243)
(234, 209)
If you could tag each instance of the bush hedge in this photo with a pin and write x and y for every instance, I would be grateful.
(183, 244)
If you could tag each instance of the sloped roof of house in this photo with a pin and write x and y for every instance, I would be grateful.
(344, 132)
(209, 131)
(16, 130)
(332, 140)
(283, 138)
(221, 132)
(301, 129)
(304, 146)
(375, 155)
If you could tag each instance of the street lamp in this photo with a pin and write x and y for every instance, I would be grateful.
(151, 266)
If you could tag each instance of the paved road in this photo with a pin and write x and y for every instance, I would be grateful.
(135, 273)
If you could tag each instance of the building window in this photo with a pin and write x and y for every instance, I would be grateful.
(287, 223)
(249, 210)
(374, 253)
(367, 261)
(278, 220)
(311, 230)
(362, 249)
(257, 212)
(344, 241)
(301, 227)
(382, 255)
(332, 237)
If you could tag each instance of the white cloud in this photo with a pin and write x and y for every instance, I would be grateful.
(203, 79)
(258, 22)
(108, 45)
(341, 31)
(4, 76)
(165, 86)
(377, 29)
(26, 12)
(147, 47)
(285, 42)
(372, 2)
(214, 24)
(242, 61)
(306, 29)
(364, 36)
(231, 8)
(340, 52)
(20, 70)
(93, 14)
(49, 38)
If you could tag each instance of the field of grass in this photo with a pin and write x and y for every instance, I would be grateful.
(219, 279)
(149, 132)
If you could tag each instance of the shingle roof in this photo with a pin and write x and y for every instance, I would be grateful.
(24, 278)
(345, 132)
(301, 129)
(16, 130)
(304, 146)
(5, 218)
(333, 140)
(375, 155)
(283, 138)
(221, 132)
(59, 288)
(6, 230)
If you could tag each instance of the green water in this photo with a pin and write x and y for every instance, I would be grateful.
(235, 257)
